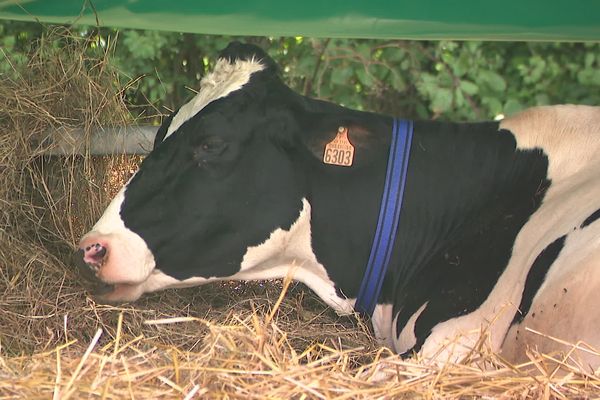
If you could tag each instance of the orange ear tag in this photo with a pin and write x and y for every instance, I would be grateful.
(339, 151)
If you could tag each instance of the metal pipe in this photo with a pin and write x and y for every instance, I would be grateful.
(132, 139)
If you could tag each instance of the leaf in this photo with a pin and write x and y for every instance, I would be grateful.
(461, 65)
(8, 42)
(393, 55)
(589, 76)
(459, 98)
(596, 77)
(493, 104)
(442, 100)
(589, 59)
(542, 99)
(364, 49)
(341, 75)
(364, 77)
(512, 106)
(538, 67)
(305, 66)
(445, 79)
(398, 82)
(493, 80)
(468, 87)
(428, 84)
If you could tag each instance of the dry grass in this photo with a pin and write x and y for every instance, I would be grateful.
(220, 341)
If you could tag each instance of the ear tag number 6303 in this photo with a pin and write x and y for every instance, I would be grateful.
(339, 151)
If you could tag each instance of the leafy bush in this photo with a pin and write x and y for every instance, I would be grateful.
(415, 79)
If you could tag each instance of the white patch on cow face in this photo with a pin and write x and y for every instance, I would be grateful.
(291, 252)
(226, 78)
(128, 259)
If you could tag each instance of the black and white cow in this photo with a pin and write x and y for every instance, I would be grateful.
(499, 227)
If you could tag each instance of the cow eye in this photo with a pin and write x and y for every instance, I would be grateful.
(208, 151)
(213, 145)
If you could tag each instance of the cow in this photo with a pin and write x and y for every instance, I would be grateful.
(498, 232)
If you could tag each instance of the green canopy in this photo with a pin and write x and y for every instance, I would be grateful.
(552, 20)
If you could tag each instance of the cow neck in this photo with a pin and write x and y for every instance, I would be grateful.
(389, 216)
(462, 178)
(345, 201)
(457, 172)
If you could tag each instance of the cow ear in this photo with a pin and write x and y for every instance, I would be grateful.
(325, 130)
(281, 128)
(162, 131)
(244, 51)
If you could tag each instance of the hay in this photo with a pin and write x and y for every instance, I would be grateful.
(251, 356)
(46, 203)
(262, 340)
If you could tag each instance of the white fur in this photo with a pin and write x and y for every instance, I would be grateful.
(225, 78)
(110, 221)
(159, 280)
(569, 134)
(291, 252)
(566, 305)
(382, 324)
(406, 340)
(132, 246)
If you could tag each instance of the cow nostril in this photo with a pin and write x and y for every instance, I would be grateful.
(94, 252)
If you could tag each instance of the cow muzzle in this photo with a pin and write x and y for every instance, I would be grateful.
(88, 262)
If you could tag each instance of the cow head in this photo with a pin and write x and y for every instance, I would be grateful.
(221, 180)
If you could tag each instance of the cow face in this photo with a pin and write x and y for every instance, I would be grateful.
(218, 181)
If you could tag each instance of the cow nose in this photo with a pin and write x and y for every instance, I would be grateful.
(88, 272)
(94, 254)
(83, 268)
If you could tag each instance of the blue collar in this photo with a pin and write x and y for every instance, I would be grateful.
(389, 215)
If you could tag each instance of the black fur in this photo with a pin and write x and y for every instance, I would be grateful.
(537, 274)
(593, 217)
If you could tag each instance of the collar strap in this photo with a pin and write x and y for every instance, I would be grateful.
(389, 215)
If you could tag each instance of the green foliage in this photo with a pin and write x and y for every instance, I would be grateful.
(445, 79)
(14, 41)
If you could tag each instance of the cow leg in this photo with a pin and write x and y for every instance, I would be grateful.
(565, 308)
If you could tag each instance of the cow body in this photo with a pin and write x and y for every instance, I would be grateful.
(498, 230)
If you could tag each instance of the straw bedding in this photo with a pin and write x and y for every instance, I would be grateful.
(233, 340)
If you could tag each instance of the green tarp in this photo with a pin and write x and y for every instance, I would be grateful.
(574, 20)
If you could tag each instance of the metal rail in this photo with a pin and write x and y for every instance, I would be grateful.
(102, 141)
